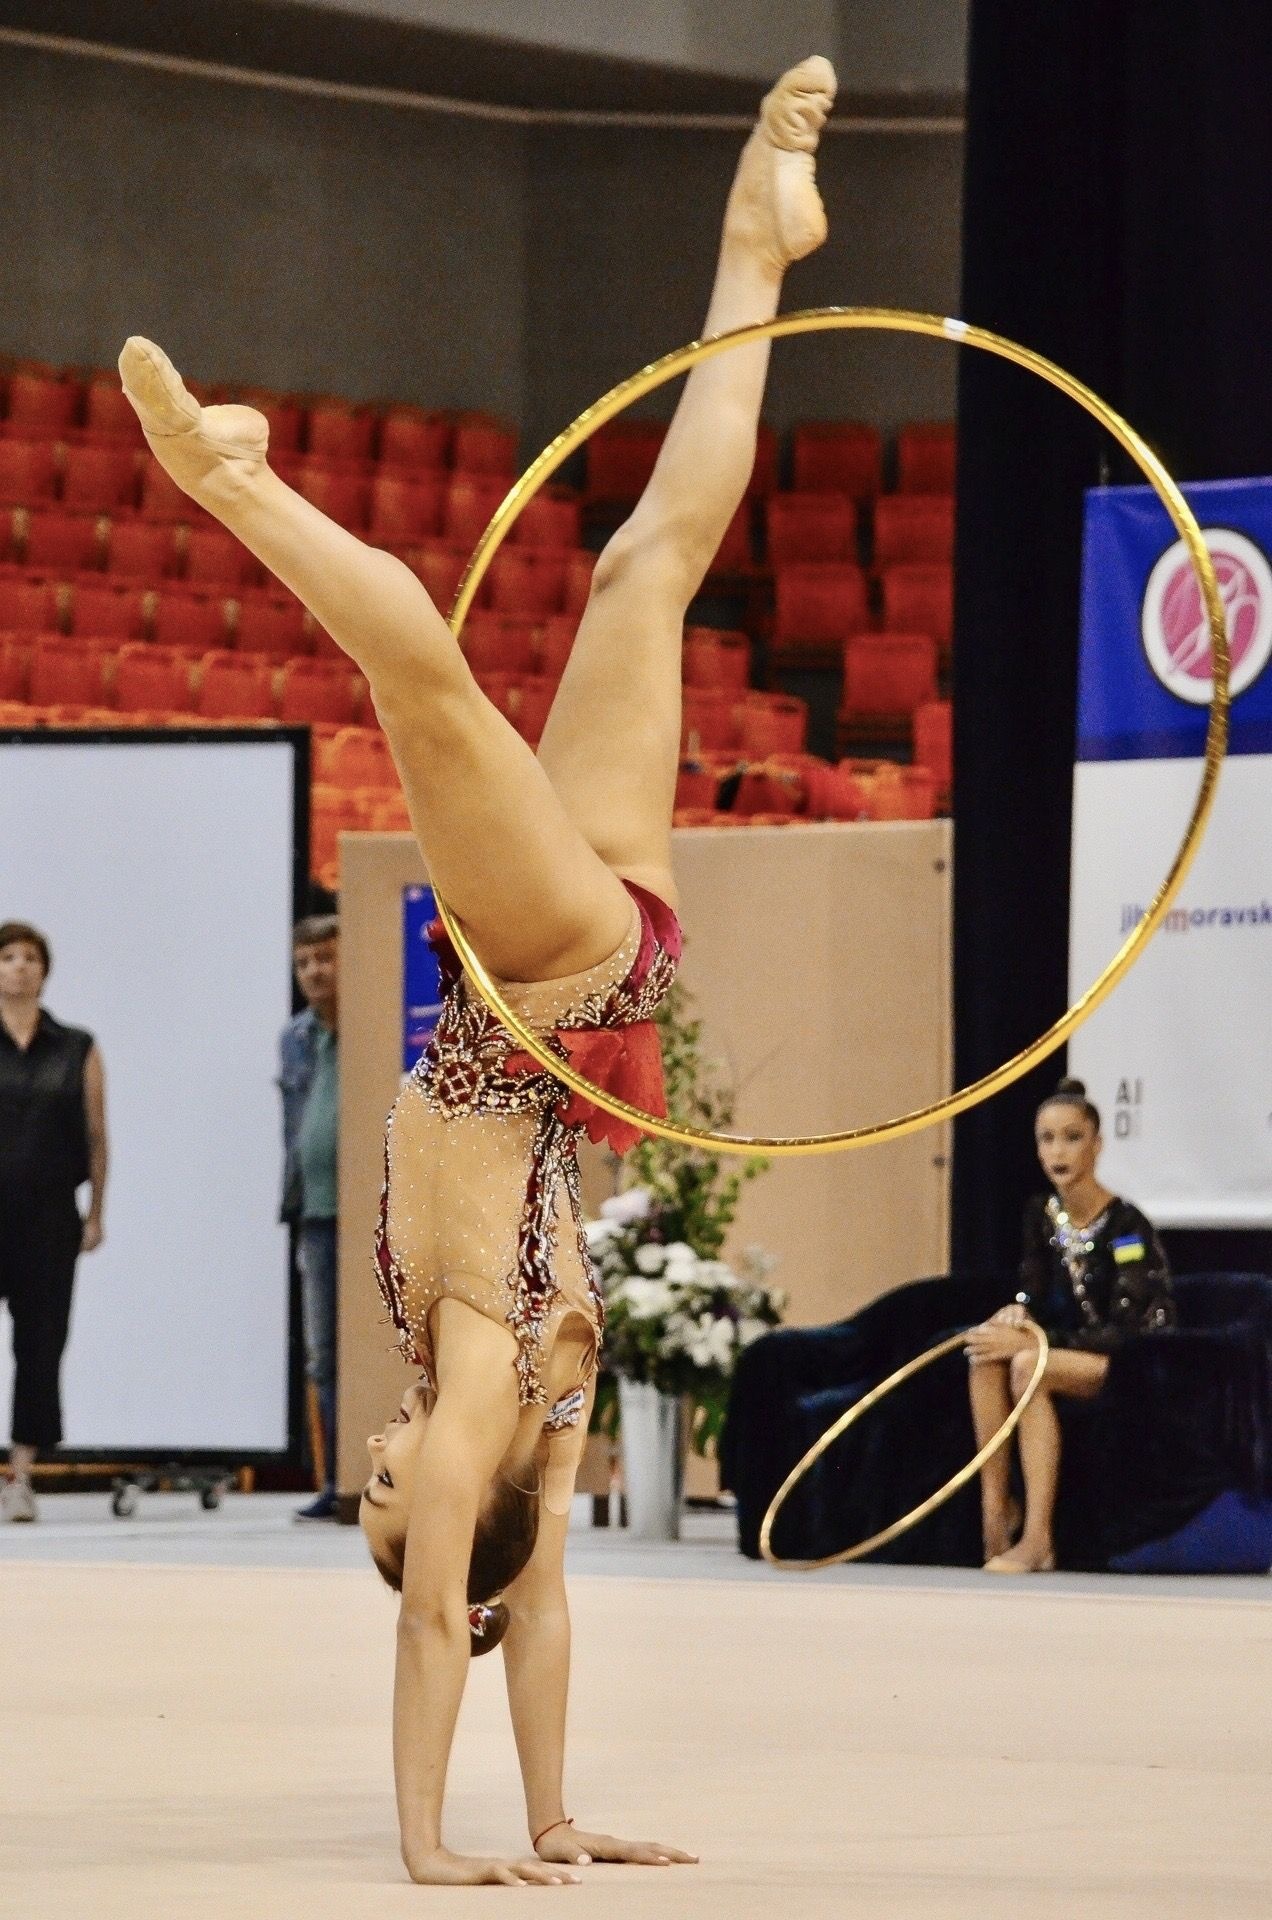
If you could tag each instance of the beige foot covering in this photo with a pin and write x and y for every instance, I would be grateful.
(189, 441)
(775, 206)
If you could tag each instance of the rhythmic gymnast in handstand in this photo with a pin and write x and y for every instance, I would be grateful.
(559, 867)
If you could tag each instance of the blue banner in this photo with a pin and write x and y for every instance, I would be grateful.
(421, 977)
(1144, 668)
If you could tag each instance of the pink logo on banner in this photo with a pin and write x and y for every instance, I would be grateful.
(1173, 622)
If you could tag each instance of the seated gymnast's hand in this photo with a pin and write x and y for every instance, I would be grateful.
(998, 1340)
(568, 1845)
(442, 1868)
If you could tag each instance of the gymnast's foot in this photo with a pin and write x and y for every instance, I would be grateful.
(1027, 1556)
(775, 208)
(1001, 1528)
(209, 451)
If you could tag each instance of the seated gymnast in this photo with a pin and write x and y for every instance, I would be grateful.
(1093, 1273)
(559, 866)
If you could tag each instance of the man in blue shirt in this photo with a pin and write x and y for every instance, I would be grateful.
(309, 1079)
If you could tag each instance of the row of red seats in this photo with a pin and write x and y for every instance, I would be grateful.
(827, 456)
(819, 607)
(799, 786)
(146, 676)
(534, 583)
(44, 403)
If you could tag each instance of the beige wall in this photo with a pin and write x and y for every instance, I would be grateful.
(819, 960)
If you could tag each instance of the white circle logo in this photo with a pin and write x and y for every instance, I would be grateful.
(1173, 621)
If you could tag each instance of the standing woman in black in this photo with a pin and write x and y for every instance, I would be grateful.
(52, 1139)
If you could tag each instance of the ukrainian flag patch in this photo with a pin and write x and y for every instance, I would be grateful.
(1131, 1247)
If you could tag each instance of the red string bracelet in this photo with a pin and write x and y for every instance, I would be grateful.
(552, 1829)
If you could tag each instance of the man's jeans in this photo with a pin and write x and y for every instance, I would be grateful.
(316, 1259)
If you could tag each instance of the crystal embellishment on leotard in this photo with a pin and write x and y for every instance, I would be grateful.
(471, 1072)
(1075, 1245)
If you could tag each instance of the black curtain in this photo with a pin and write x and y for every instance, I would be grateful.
(1117, 218)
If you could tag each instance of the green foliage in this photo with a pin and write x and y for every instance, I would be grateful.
(696, 1200)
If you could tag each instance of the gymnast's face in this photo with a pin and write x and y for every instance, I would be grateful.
(386, 1498)
(1068, 1144)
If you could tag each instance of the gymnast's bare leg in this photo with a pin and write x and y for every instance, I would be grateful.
(612, 743)
(538, 901)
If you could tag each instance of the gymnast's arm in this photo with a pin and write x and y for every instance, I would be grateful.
(468, 1433)
(536, 1647)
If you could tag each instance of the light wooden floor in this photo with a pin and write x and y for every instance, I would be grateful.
(183, 1741)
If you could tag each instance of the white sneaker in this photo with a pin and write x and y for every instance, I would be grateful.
(17, 1502)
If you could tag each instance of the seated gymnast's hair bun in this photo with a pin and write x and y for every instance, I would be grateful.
(1075, 1089)
(488, 1621)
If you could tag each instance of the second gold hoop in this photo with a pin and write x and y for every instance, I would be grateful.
(943, 1493)
(960, 333)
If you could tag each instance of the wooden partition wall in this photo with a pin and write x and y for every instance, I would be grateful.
(818, 958)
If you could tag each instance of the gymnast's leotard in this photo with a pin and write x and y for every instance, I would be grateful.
(482, 1143)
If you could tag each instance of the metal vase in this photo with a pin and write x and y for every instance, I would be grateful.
(653, 1460)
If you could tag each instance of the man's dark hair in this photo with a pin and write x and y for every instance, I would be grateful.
(314, 929)
(14, 930)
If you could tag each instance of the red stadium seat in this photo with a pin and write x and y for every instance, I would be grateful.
(20, 714)
(471, 500)
(185, 618)
(735, 553)
(763, 479)
(339, 431)
(62, 542)
(706, 719)
(272, 623)
(913, 526)
(579, 567)
(837, 456)
(933, 743)
(27, 605)
(927, 457)
(284, 416)
(483, 445)
(498, 642)
(920, 599)
(161, 497)
(43, 403)
(439, 564)
(213, 557)
(888, 675)
(15, 665)
(410, 437)
(527, 580)
(108, 413)
(554, 643)
(553, 518)
(150, 678)
(141, 549)
(523, 700)
(818, 607)
(341, 492)
(900, 793)
(359, 757)
(236, 686)
(405, 507)
(109, 609)
(714, 658)
(318, 690)
(63, 670)
(28, 472)
(103, 477)
(818, 527)
(771, 723)
(620, 459)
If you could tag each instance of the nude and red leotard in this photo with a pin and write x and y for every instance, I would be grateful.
(482, 1145)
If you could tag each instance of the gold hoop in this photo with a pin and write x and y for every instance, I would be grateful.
(934, 1500)
(895, 320)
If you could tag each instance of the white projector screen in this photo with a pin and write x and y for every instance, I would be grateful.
(161, 870)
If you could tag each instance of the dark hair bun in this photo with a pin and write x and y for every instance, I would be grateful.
(1076, 1089)
(487, 1624)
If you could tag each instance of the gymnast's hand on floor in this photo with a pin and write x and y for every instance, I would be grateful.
(573, 1848)
(442, 1868)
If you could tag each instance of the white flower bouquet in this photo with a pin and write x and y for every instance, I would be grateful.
(674, 1319)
